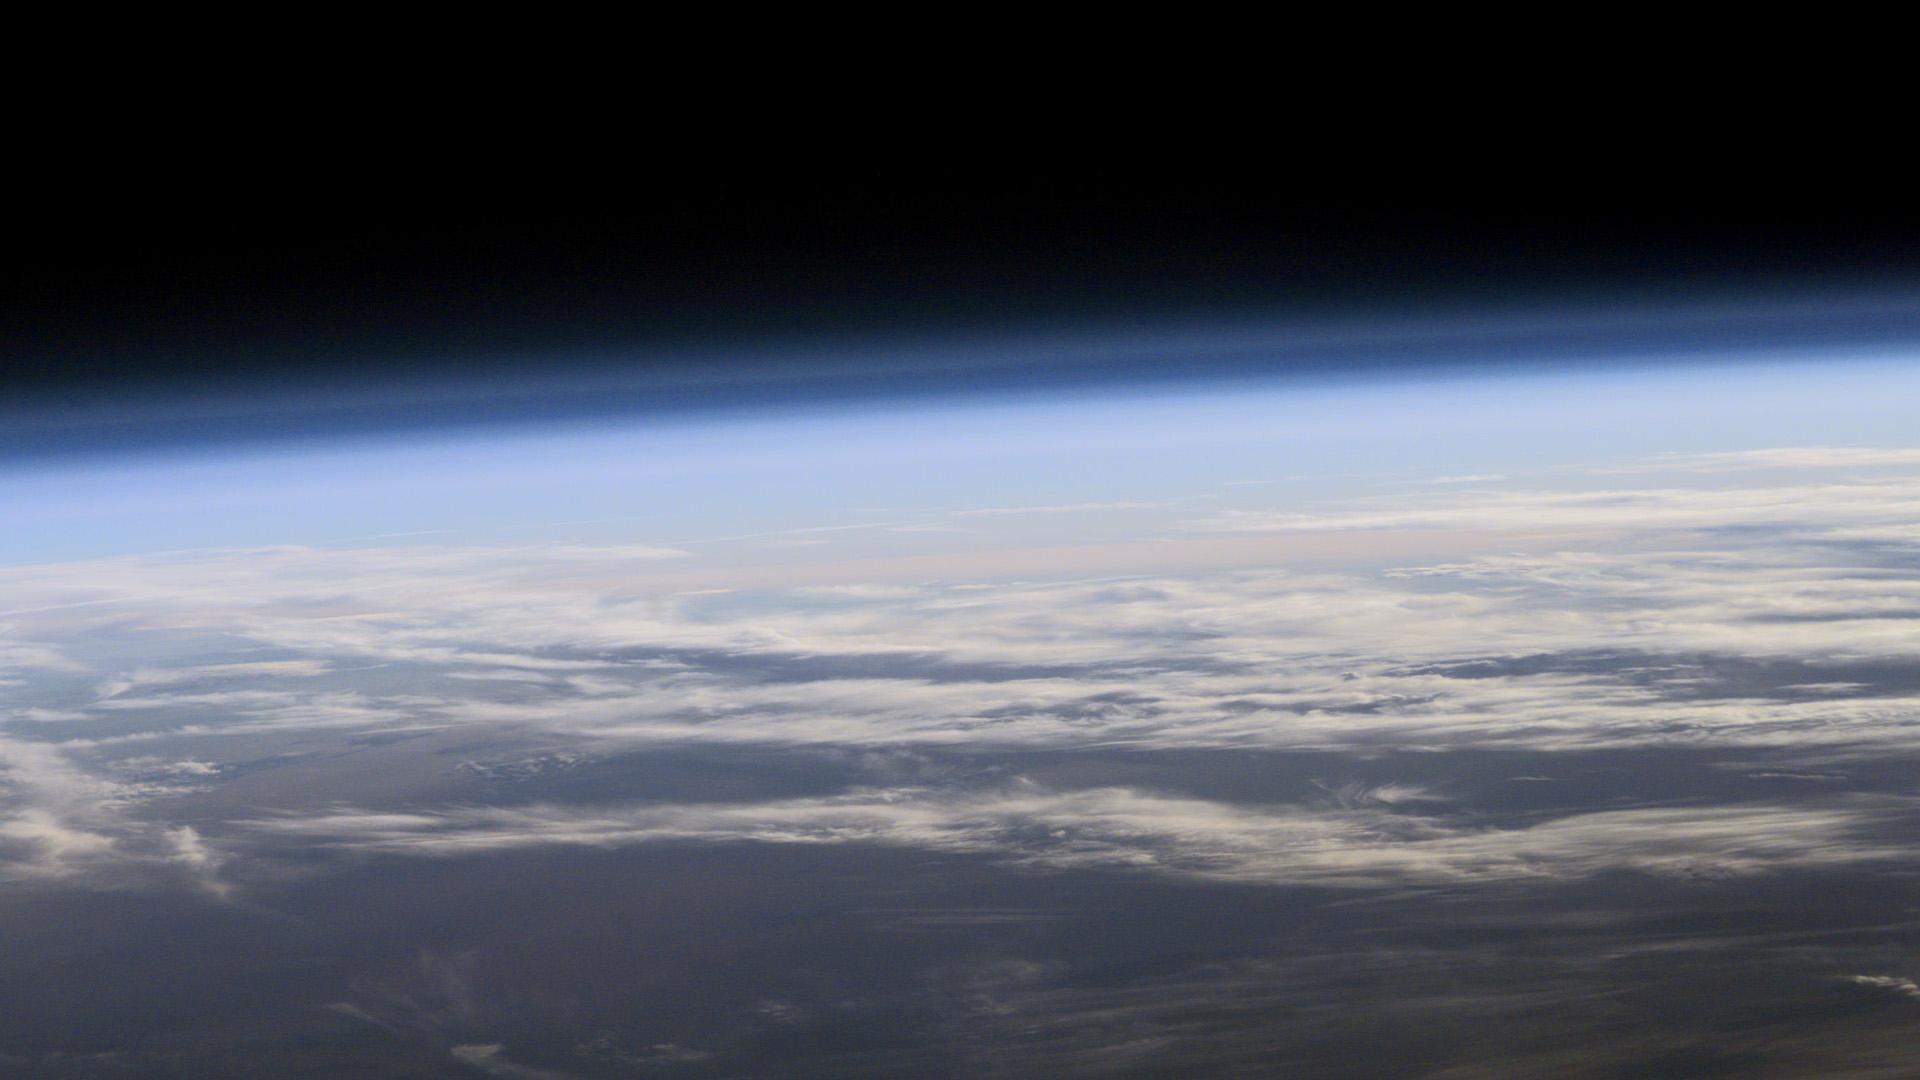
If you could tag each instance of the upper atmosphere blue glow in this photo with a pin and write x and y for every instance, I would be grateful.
(1231, 444)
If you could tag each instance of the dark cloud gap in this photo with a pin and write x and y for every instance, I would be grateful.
(770, 667)
(1703, 676)
(698, 775)
(808, 961)
(1469, 787)
(1839, 616)
(1503, 787)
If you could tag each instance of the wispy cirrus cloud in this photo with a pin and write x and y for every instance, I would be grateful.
(491, 1059)
(1075, 508)
(1893, 983)
(1118, 827)
(1812, 507)
(1790, 457)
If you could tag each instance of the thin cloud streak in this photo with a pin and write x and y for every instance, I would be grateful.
(1123, 828)
(1793, 457)
(1073, 509)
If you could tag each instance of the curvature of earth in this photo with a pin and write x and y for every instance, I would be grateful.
(1552, 724)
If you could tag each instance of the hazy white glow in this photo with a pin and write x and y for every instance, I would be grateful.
(1243, 445)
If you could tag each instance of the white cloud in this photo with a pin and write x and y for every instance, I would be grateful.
(1118, 827)
(59, 820)
(489, 1058)
(148, 676)
(1813, 507)
(1791, 457)
(1894, 983)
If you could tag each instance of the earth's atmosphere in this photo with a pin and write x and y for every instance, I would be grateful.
(1551, 724)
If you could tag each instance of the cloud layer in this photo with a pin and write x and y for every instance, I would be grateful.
(1737, 615)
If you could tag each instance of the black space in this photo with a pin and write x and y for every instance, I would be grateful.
(288, 278)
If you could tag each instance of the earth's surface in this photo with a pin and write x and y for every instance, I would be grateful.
(1524, 724)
